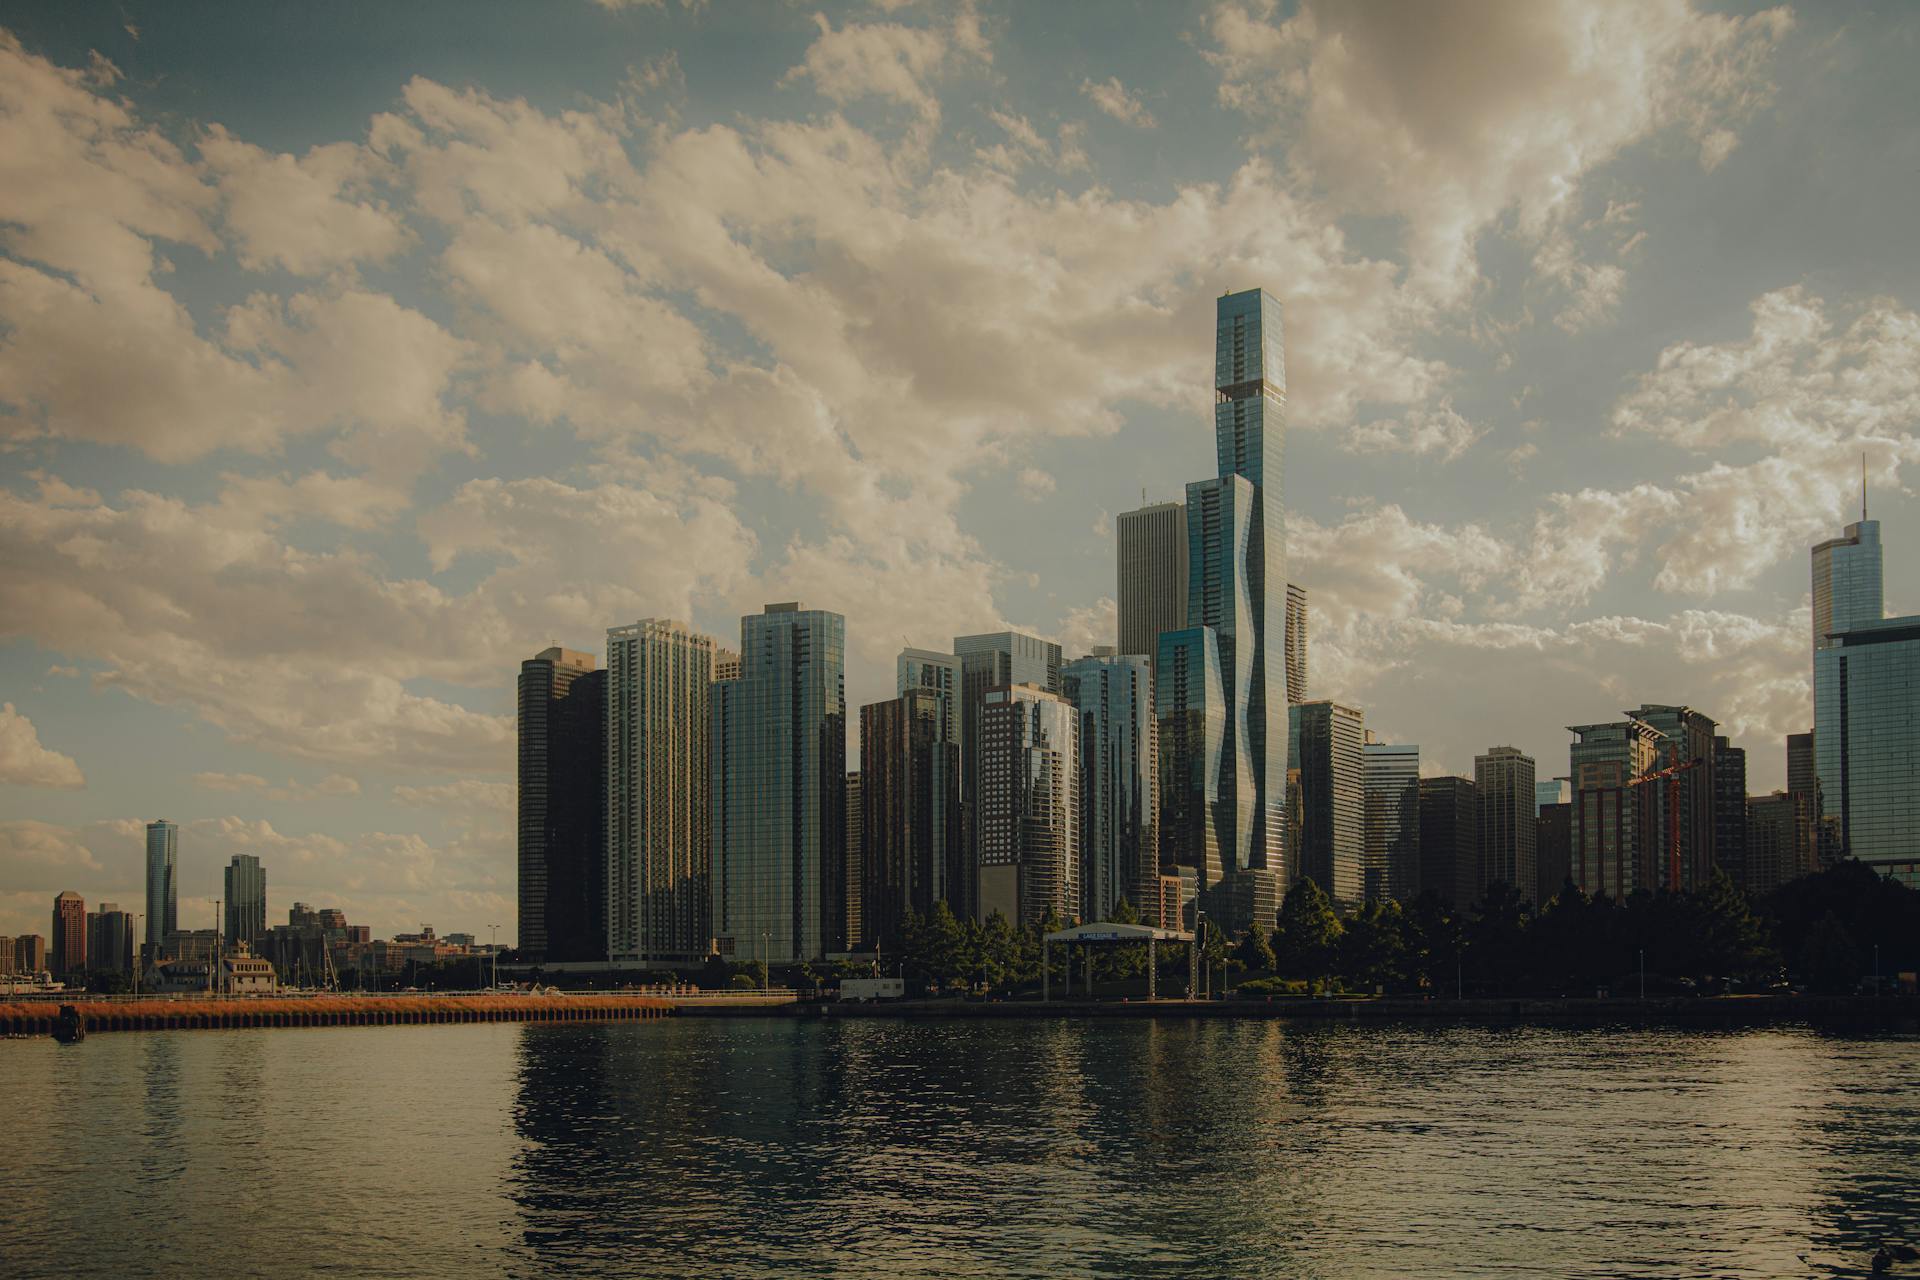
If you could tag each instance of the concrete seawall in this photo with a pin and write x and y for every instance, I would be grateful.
(39, 1017)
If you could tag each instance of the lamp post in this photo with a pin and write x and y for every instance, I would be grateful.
(493, 948)
(766, 977)
(138, 916)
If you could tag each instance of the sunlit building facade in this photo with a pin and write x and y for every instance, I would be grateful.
(1030, 826)
(1390, 856)
(1190, 707)
(1119, 780)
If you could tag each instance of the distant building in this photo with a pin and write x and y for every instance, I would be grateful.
(1119, 780)
(911, 854)
(7, 956)
(1553, 851)
(1779, 841)
(1866, 736)
(1152, 575)
(1191, 709)
(1730, 809)
(163, 900)
(110, 940)
(562, 766)
(1391, 853)
(992, 660)
(1612, 845)
(854, 877)
(931, 669)
(1296, 644)
(69, 935)
(1803, 780)
(30, 954)
(1687, 739)
(246, 900)
(191, 944)
(1505, 777)
(1030, 807)
(659, 809)
(1548, 791)
(1333, 796)
(779, 786)
(1450, 840)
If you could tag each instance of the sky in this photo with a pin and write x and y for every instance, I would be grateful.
(352, 353)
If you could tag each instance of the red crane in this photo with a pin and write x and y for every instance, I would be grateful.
(1671, 775)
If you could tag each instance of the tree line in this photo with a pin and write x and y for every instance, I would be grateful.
(1826, 932)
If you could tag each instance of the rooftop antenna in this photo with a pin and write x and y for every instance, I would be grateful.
(1863, 486)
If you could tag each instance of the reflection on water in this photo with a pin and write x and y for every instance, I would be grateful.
(894, 1148)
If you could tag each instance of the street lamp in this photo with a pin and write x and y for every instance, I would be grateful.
(493, 946)
(766, 978)
(138, 916)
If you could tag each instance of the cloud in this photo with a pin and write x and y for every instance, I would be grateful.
(1420, 431)
(301, 213)
(1113, 98)
(333, 785)
(1034, 484)
(24, 762)
(874, 59)
(468, 794)
(1452, 120)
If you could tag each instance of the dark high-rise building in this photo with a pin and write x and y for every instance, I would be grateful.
(1450, 840)
(779, 781)
(1803, 782)
(163, 891)
(562, 880)
(1296, 644)
(110, 939)
(854, 877)
(1505, 777)
(1391, 855)
(1553, 850)
(1030, 808)
(30, 954)
(1687, 740)
(1333, 791)
(69, 934)
(1730, 809)
(246, 900)
(1191, 709)
(910, 854)
(1779, 841)
(1119, 780)
(1613, 849)
(994, 660)
(1152, 575)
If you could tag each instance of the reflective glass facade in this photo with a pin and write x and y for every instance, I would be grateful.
(1847, 587)
(163, 893)
(993, 660)
(1612, 847)
(910, 854)
(1120, 786)
(1220, 597)
(1392, 849)
(1509, 850)
(1030, 811)
(1191, 707)
(1866, 740)
(561, 839)
(659, 812)
(1151, 575)
(779, 789)
(1333, 792)
(1450, 839)
(246, 900)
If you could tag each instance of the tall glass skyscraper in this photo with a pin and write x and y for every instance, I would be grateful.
(1392, 850)
(562, 845)
(1152, 575)
(1333, 792)
(659, 811)
(1190, 704)
(909, 813)
(1236, 582)
(163, 890)
(1119, 787)
(779, 782)
(246, 909)
(1509, 846)
(994, 660)
(1030, 811)
(1866, 706)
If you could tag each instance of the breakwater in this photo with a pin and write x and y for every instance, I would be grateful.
(41, 1017)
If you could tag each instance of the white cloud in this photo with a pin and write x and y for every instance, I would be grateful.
(24, 762)
(333, 785)
(301, 213)
(1113, 98)
(1420, 431)
(1034, 484)
(1453, 119)
(874, 59)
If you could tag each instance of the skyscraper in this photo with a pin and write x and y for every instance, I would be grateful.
(1548, 791)
(779, 780)
(909, 815)
(1803, 783)
(163, 909)
(931, 669)
(1030, 811)
(1730, 809)
(992, 660)
(1847, 586)
(1191, 707)
(853, 877)
(68, 946)
(1120, 784)
(110, 939)
(1333, 791)
(1687, 739)
(1152, 574)
(561, 841)
(1779, 842)
(1249, 425)
(1450, 840)
(1296, 644)
(246, 900)
(659, 811)
(1612, 847)
(1553, 851)
(1390, 855)
(1220, 515)
(1508, 853)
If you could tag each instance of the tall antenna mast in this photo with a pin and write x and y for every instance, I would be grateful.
(1863, 486)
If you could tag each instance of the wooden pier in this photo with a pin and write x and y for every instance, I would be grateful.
(38, 1017)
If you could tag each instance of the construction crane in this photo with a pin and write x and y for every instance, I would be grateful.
(1671, 776)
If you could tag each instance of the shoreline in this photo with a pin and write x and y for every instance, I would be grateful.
(26, 1019)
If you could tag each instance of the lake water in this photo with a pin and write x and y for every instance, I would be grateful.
(727, 1148)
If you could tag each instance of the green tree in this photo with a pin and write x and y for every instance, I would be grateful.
(1255, 952)
(1832, 958)
(1372, 947)
(1309, 931)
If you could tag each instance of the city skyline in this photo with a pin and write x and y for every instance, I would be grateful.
(1563, 427)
